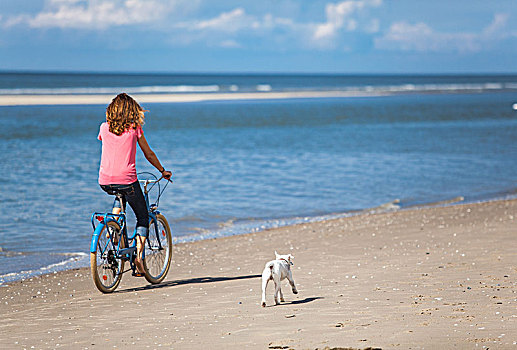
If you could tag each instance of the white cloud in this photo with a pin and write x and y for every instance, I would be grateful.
(225, 29)
(497, 26)
(232, 44)
(421, 37)
(103, 14)
(97, 14)
(226, 22)
(237, 22)
(15, 20)
(231, 28)
(271, 22)
(340, 17)
(180, 22)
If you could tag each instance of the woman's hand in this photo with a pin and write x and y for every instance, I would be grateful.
(166, 174)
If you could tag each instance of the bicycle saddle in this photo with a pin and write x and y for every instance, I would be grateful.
(114, 193)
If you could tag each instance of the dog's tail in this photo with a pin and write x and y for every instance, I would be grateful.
(268, 271)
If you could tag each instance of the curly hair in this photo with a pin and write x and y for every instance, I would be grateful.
(123, 113)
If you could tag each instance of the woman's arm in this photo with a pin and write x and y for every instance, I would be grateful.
(152, 158)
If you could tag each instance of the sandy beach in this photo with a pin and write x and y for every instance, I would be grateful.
(434, 278)
(28, 100)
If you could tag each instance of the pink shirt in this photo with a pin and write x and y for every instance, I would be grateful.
(118, 156)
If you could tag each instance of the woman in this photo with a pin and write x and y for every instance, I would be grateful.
(119, 135)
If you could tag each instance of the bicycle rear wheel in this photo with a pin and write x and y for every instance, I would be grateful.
(158, 250)
(105, 267)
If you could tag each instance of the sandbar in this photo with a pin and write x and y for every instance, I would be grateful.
(29, 100)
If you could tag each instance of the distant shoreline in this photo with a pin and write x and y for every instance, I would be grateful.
(83, 99)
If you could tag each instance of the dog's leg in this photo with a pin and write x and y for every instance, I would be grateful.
(281, 294)
(291, 282)
(266, 276)
(277, 289)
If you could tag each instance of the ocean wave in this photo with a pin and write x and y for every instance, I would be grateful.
(234, 227)
(370, 89)
(477, 87)
(72, 259)
(158, 89)
(386, 207)
(264, 87)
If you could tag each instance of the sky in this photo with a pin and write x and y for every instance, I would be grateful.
(276, 36)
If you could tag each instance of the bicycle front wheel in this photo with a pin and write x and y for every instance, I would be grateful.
(106, 269)
(158, 250)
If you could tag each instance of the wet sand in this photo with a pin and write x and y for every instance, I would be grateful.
(27, 100)
(435, 278)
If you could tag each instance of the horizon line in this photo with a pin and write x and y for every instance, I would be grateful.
(251, 73)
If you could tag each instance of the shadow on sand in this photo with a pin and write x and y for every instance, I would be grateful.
(303, 301)
(296, 302)
(187, 281)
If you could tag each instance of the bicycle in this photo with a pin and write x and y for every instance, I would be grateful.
(111, 246)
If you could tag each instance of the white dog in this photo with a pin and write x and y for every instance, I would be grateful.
(277, 270)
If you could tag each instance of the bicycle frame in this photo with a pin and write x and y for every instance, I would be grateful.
(112, 246)
(120, 219)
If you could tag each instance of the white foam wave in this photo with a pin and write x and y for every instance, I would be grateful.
(386, 207)
(75, 259)
(163, 89)
(435, 87)
(264, 87)
(112, 90)
(232, 228)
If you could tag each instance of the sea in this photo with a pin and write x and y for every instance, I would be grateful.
(243, 166)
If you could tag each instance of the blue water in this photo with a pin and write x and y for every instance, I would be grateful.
(241, 166)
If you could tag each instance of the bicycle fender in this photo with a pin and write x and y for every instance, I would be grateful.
(95, 237)
(152, 216)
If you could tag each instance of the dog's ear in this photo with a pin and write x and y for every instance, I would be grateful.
(291, 257)
(276, 255)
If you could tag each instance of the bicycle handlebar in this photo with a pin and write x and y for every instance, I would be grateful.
(147, 182)
(153, 182)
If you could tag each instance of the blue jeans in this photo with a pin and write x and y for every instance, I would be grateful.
(132, 194)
